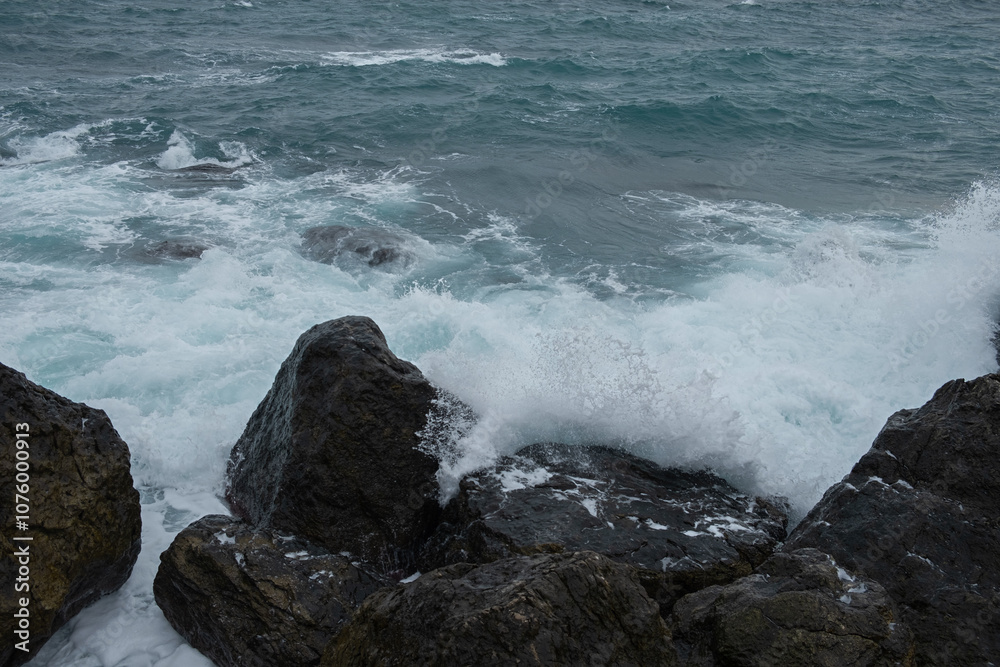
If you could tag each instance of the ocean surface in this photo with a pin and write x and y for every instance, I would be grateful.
(727, 234)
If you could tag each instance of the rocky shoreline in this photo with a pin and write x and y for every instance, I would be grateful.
(339, 552)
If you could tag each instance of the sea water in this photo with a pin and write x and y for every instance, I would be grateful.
(735, 235)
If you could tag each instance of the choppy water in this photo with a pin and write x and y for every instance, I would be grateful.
(728, 234)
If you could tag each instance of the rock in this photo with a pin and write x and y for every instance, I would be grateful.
(249, 598)
(207, 168)
(682, 530)
(798, 608)
(373, 246)
(82, 511)
(174, 249)
(331, 452)
(918, 514)
(548, 609)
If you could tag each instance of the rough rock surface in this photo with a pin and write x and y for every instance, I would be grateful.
(249, 598)
(566, 609)
(798, 608)
(683, 530)
(331, 453)
(919, 514)
(83, 510)
(372, 246)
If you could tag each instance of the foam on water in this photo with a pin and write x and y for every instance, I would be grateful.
(780, 377)
(369, 58)
(180, 154)
(55, 146)
(778, 372)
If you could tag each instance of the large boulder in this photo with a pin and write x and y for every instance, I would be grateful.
(253, 598)
(918, 514)
(331, 454)
(681, 530)
(72, 477)
(565, 609)
(352, 246)
(798, 608)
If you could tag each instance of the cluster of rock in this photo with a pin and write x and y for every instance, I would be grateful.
(564, 556)
(339, 552)
(352, 249)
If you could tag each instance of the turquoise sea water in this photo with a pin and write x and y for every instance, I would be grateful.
(726, 234)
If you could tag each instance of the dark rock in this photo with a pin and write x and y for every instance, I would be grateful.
(682, 530)
(918, 514)
(249, 598)
(175, 249)
(798, 608)
(207, 168)
(568, 609)
(83, 510)
(331, 452)
(373, 246)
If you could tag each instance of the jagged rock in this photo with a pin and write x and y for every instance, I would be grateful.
(566, 609)
(253, 598)
(331, 452)
(918, 514)
(682, 530)
(373, 246)
(798, 608)
(83, 512)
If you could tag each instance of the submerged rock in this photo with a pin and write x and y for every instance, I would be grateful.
(82, 512)
(566, 609)
(797, 608)
(331, 453)
(174, 249)
(372, 246)
(252, 598)
(918, 514)
(682, 530)
(206, 168)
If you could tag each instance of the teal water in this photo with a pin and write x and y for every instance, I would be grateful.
(726, 234)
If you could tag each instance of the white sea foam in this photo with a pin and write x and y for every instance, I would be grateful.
(779, 378)
(369, 58)
(180, 154)
(51, 147)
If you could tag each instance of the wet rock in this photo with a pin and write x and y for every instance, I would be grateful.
(83, 512)
(174, 249)
(918, 514)
(374, 247)
(566, 609)
(331, 453)
(206, 168)
(253, 598)
(681, 530)
(798, 608)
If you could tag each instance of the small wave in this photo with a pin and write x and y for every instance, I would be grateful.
(55, 146)
(180, 154)
(366, 58)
